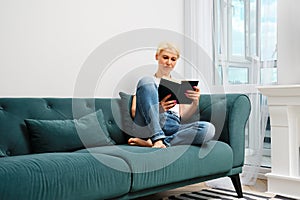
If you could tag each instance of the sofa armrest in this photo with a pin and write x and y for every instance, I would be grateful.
(229, 113)
(237, 119)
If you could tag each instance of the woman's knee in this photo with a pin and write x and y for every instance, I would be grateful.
(210, 131)
(146, 82)
(207, 129)
(147, 89)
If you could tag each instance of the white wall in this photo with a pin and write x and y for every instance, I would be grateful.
(44, 43)
(288, 42)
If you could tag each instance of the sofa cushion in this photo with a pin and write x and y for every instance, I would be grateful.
(67, 176)
(128, 125)
(68, 135)
(152, 167)
(127, 121)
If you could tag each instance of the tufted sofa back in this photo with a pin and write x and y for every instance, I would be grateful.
(228, 112)
(14, 138)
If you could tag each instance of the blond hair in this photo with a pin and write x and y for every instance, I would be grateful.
(167, 46)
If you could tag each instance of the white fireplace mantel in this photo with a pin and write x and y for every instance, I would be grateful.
(284, 109)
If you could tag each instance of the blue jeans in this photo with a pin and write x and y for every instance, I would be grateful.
(166, 126)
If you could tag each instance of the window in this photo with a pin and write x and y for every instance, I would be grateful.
(245, 51)
(238, 75)
(237, 30)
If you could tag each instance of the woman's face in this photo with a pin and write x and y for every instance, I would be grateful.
(166, 61)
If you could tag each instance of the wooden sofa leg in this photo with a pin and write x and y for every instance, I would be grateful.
(235, 179)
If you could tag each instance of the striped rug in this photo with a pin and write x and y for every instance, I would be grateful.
(215, 193)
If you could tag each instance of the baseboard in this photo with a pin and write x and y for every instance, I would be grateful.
(249, 172)
(262, 173)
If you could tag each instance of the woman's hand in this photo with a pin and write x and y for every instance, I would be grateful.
(194, 95)
(166, 105)
(187, 110)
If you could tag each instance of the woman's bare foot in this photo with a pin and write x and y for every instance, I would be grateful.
(159, 144)
(140, 142)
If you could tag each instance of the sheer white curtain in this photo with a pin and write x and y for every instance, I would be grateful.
(263, 64)
(210, 31)
(198, 28)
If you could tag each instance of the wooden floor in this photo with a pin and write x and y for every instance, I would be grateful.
(259, 187)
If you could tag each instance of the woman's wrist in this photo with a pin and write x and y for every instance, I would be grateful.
(195, 102)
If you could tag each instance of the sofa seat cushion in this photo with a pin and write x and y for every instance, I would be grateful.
(153, 167)
(63, 176)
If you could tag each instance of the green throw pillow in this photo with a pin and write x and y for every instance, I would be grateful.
(68, 135)
(127, 121)
(128, 125)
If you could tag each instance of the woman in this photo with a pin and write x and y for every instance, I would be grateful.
(163, 118)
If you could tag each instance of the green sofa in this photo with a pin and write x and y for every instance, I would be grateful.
(76, 148)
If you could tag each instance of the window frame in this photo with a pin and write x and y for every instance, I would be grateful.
(224, 58)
